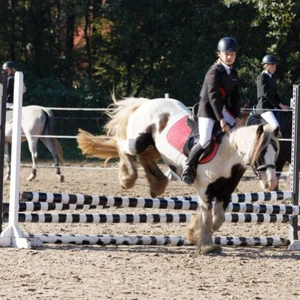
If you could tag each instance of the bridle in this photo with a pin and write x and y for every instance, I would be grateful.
(258, 165)
(257, 169)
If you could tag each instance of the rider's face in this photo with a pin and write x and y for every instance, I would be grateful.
(8, 71)
(271, 68)
(228, 57)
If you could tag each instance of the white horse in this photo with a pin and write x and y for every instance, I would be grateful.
(154, 129)
(36, 121)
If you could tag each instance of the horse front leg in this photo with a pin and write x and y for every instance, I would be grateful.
(200, 230)
(279, 167)
(218, 215)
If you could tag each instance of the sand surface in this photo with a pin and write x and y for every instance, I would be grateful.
(142, 272)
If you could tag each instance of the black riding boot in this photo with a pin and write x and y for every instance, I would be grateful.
(189, 171)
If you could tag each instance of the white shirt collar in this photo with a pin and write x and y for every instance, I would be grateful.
(227, 68)
(266, 71)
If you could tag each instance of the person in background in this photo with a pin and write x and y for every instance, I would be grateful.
(10, 67)
(219, 102)
(267, 95)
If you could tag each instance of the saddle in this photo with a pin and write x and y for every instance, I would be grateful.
(185, 134)
(256, 119)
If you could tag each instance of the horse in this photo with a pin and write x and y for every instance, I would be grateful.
(285, 119)
(155, 129)
(36, 121)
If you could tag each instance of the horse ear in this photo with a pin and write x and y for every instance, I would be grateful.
(276, 131)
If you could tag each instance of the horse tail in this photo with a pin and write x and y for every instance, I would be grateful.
(49, 129)
(101, 146)
(106, 146)
(119, 116)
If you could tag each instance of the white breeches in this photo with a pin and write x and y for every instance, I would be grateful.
(206, 126)
(270, 119)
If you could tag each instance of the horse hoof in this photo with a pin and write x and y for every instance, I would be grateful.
(61, 178)
(30, 177)
(209, 249)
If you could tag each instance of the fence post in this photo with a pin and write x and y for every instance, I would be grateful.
(293, 232)
(3, 92)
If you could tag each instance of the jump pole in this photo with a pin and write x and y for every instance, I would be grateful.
(12, 235)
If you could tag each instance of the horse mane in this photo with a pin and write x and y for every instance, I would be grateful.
(264, 136)
(119, 116)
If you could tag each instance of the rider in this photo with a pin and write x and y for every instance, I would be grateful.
(267, 95)
(10, 67)
(219, 101)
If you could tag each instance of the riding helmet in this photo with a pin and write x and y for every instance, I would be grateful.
(269, 59)
(9, 65)
(227, 44)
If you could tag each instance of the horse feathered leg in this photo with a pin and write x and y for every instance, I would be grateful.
(200, 230)
(156, 178)
(218, 215)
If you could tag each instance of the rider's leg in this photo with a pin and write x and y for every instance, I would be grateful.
(270, 119)
(205, 131)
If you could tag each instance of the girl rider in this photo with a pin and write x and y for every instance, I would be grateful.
(219, 102)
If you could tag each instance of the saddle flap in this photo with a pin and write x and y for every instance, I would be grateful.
(184, 134)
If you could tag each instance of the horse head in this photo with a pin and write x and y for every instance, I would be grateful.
(260, 147)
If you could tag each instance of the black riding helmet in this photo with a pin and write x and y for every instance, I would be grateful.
(227, 44)
(9, 65)
(269, 59)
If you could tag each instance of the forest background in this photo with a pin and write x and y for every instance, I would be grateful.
(74, 53)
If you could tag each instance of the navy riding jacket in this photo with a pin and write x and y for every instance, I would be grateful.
(267, 94)
(219, 89)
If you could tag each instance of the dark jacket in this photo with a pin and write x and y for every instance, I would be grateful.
(219, 89)
(10, 89)
(267, 95)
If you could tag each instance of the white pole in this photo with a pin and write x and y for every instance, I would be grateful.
(12, 235)
(15, 151)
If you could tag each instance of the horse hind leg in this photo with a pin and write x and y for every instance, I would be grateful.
(127, 171)
(55, 149)
(156, 178)
(32, 145)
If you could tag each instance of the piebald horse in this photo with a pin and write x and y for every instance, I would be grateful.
(156, 129)
(36, 121)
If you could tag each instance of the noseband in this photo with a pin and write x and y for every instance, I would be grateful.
(261, 168)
